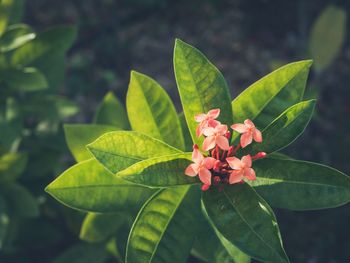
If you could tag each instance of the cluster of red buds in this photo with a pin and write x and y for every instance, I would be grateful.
(220, 165)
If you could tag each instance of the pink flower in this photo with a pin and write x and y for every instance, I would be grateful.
(241, 169)
(249, 132)
(215, 136)
(206, 120)
(200, 166)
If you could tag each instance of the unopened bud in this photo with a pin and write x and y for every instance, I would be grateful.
(259, 155)
(230, 151)
(195, 147)
(205, 187)
(217, 165)
(228, 134)
(216, 180)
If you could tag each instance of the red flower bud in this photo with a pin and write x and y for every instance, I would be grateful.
(259, 155)
(195, 147)
(216, 166)
(205, 187)
(216, 180)
(228, 134)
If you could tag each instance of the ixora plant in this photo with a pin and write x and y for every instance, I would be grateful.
(152, 174)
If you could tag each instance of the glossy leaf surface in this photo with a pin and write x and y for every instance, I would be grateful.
(89, 186)
(246, 220)
(201, 86)
(118, 150)
(151, 111)
(165, 228)
(300, 185)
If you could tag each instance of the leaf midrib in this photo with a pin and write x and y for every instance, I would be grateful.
(241, 216)
(91, 186)
(172, 215)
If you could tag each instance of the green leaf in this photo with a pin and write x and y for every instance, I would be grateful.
(163, 171)
(4, 220)
(118, 150)
(327, 36)
(111, 112)
(267, 98)
(151, 111)
(209, 245)
(286, 128)
(83, 253)
(16, 36)
(89, 186)
(201, 86)
(25, 79)
(165, 227)
(21, 201)
(100, 227)
(5, 12)
(300, 185)
(185, 132)
(57, 39)
(79, 135)
(246, 220)
(12, 166)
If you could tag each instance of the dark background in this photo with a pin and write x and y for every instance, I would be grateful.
(245, 39)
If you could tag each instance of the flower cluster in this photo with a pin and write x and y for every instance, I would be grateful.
(221, 165)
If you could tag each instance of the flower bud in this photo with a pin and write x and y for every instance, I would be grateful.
(228, 134)
(259, 155)
(216, 180)
(205, 187)
(195, 147)
(216, 166)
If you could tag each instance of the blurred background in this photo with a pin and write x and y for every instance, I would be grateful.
(245, 40)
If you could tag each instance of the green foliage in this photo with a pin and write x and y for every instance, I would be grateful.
(146, 100)
(201, 86)
(164, 230)
(236, 222)
(246, 220)
(327, 36)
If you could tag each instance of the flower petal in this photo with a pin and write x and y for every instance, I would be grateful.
(234, 162)
(221, 129)
(249, 173)
(247, 161)
(200, 117)
(238, 127)
(191, 170)
(208, 131)
(209, 143)
(213, 123)
(205, 176)
(199, 131)
(222, 141)
(249, 123)
(197, 156)
(209, 162)
(257, 135)
(246, 139)
(235, 177)
(214, 113)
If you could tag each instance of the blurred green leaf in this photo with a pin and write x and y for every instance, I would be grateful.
(286, 128)
(21, 202)
(25, 79)
(5, 12)
(327, 36)
(89, 186)
(79, 135)
(246, 220)
(16, 36)
(54, 40)
(12, 166)
(111, 112)
(4, 220)
(118, 150)
(201, 86)
(151, 111)
(163, 171)
(100, 227)
(165, 227)
(300, 185)
(267, 98)
(83, 253)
